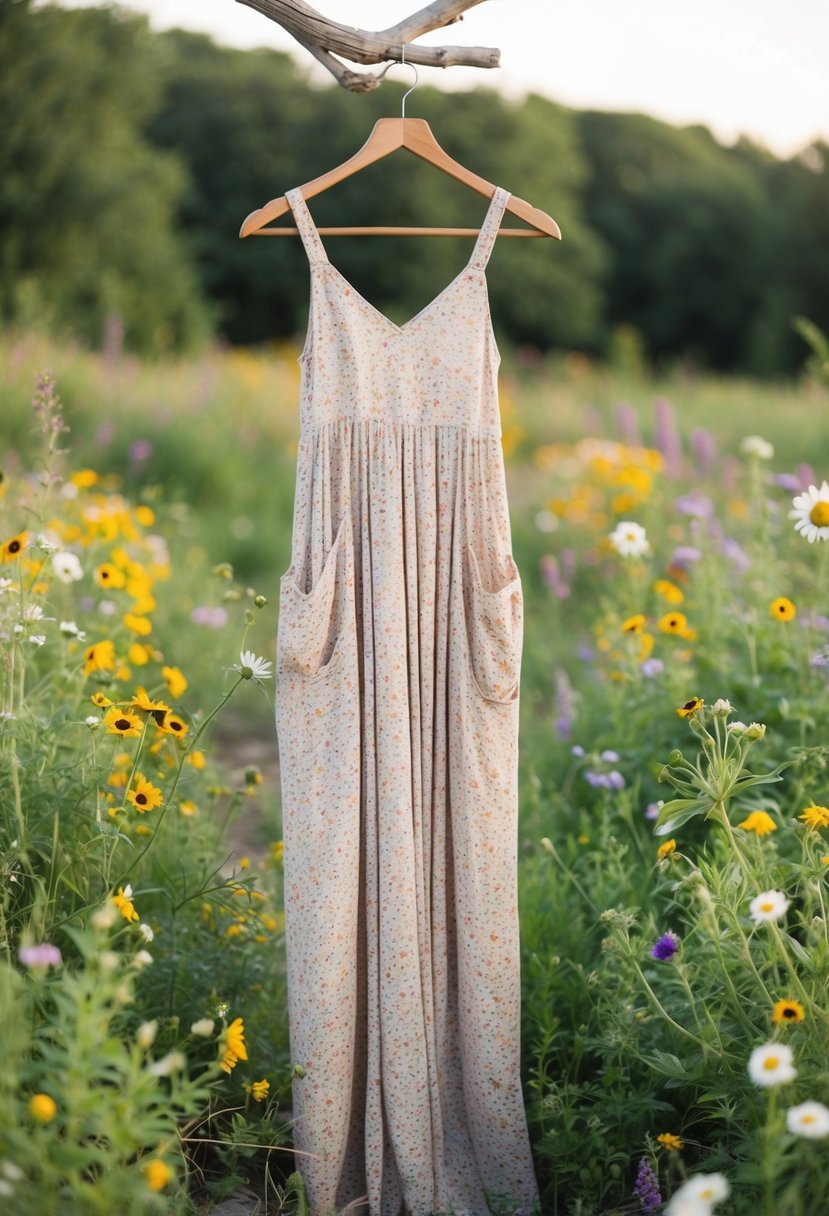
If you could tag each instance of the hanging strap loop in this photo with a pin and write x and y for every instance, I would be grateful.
(489, 229)
(307, 228)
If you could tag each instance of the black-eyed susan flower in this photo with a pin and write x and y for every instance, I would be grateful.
(784, 1012)
(670, 1141)
(634, 624)
(233, 1041)
(172, 724)
(144, 703)
(176, 681)
(99, 657)
(144, 796)
(782, 609)
(100, 700)
(123, 902)
(815, 817)
(157, 1173)
(690, 708)
(122, 722)
(108, 575)
(13, 548)
(758, 822)
(673, 622)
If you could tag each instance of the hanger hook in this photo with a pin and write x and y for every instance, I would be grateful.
(414, 86)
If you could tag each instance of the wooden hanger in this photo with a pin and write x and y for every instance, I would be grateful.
(388, 135)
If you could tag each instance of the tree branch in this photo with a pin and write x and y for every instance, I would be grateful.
(326, 39)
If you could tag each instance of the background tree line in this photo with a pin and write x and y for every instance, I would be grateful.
(128, 160)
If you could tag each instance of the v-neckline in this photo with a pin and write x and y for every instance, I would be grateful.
(466, 269)
(401, 329)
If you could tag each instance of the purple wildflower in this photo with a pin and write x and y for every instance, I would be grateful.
(585, 654)
(597, 780)
(646, 1187)
(735, 553)
(652, 667)
(615, 780)
(665, 433)
(704, 448)
(698, 505)
(609, 757)
(214, 618)
(666, 947)
(685, 555)
(44, 955)
(563, 725)
(627, 423)
(652, 810)
(140, 451)
(577, 750)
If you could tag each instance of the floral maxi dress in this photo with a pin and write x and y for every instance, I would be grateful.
(398, 659)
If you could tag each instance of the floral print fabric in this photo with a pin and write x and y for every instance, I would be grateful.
(398, 662)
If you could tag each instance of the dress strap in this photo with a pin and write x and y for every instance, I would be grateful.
(307, 228)
(489, 229)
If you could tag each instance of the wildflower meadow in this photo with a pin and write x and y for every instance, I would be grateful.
(674, 842)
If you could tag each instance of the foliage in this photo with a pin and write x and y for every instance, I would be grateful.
(87, 205)
(674, 958)
(141, 153)
(122, 928)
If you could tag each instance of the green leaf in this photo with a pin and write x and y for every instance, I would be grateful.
(676, 812)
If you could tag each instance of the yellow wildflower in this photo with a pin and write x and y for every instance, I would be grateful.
(259, 1090)
(782, 609)
(42, 1108)
(634, 624)
(665, 850)
(123, 902)
(690, 707)
(108, 575)
(759, 822)
(815, 817)
(99, 657)
(11, 549)
(668, 591)
(176, 681)
(138, 624)
(787, 1011)
(144, 796)
(122, 722)
(235, 1048)
(670, 1141)
(157, 1173)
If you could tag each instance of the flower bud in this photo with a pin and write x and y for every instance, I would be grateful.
(547, 845)
(675, 757)
(756, 730)
(721, 708)
(298, 1071)
(203, 1027)
(260, 601)
(145, 1035)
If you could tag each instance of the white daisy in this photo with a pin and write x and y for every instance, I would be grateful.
(809, 1119)
(37, 639)
(66, 566)
(811, 513)
(767, 906)
(771, 1064)
(756, 445)
(629, 539)
(251, 667)
(697, 1196)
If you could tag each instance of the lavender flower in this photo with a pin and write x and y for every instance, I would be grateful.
(704, 448)
(44, 955)
(610, 757)
(615, 780)
(698, 505)
(214, 618)
(652, 810)
(666, 947)
(666, 435)
(627, 423)
(652, 667)
(646, 1187)
(685, 555)
(577, 750)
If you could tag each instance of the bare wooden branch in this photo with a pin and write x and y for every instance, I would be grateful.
(326, 39)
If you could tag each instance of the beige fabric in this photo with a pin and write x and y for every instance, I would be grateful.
(398, 661)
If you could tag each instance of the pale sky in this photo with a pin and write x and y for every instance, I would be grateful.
(754, 67)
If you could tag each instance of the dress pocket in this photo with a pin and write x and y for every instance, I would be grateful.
(495, 629)
(310, 628)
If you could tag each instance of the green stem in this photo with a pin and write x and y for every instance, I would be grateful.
(663, 1011)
